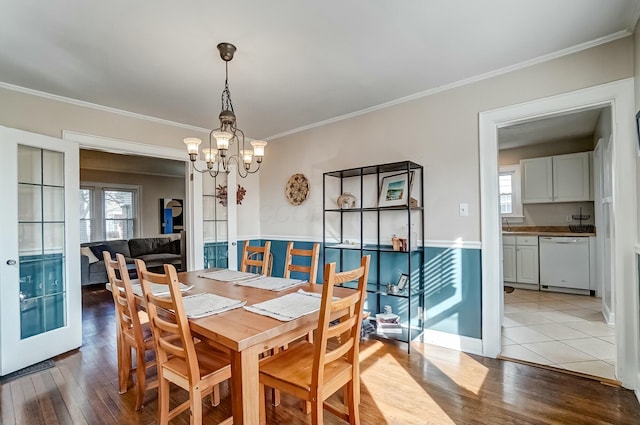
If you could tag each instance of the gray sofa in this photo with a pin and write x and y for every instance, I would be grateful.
(155, 252)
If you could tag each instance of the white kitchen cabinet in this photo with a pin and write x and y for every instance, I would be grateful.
(508, 262)
(571, 177)
(537, 180)
(527, 264)
(520, 261)
(559, 178)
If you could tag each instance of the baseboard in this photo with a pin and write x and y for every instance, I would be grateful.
(454, 342)
(609, 316)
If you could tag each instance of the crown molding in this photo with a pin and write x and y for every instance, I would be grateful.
(487, 75)
(100, 107)
(419, 95)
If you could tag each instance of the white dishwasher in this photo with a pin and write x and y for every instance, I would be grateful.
(564, 262)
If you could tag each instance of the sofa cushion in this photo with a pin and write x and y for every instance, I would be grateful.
(120, 246)
(99, 249)
(152, 260)
(143, 246)
(175, 246)
(85, 250)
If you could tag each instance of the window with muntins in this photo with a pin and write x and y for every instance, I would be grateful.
(108, 212)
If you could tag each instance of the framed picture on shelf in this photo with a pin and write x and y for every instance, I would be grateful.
(402, 281)
(396, 190)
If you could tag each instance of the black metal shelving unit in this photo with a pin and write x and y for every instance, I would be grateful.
(345, 243)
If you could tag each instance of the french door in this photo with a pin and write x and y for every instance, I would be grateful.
(215, 231)
(40, 298)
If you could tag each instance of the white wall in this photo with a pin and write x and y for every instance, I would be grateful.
(438, 131)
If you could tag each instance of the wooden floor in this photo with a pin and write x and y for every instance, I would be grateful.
(431, 386)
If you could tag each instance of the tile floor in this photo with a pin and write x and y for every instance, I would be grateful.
(561, 330)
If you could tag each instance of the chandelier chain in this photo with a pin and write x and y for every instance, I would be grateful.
(227, 105)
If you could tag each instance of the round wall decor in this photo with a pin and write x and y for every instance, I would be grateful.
(297, 189)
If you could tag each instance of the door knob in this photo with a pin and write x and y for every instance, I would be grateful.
(11, 262)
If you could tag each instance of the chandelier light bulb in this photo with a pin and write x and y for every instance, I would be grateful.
(209, 155)
(258, 148)
(247, 156)
(222, 139)
(192, 145)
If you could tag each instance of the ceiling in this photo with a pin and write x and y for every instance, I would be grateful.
(117, 163)
(298, 62)
(562, 127)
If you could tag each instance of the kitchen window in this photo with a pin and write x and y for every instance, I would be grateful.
(510, 199)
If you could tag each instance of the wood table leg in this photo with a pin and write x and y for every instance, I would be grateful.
(245, 388)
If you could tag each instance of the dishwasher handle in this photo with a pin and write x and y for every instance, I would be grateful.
(564, 241)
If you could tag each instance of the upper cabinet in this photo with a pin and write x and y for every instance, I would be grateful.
(537, 180)
(560, 178)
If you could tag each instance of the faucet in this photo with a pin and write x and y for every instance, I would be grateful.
(505, 221)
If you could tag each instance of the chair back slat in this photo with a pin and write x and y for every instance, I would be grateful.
(345, 330)
(311, 270)
(257, 259)
(169, 328)
(123, 298)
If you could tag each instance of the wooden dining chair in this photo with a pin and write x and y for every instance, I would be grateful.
(257, 259)
(315, 371)
(311, 270)
(132, 332)
(195, 367)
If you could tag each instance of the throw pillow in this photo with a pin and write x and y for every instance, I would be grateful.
(175, 247)
(97, 250)
(85, 250)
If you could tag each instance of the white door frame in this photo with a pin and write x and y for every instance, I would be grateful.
(619, 96)
(193, 185)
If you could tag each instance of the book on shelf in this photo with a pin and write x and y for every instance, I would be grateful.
(388, 328)
(387, 318)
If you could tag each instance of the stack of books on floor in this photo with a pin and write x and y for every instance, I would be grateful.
(388, 324)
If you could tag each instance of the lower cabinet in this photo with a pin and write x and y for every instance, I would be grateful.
(520, 261)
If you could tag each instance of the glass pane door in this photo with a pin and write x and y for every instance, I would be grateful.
(41, 240)
(41, 314)
(215, 221)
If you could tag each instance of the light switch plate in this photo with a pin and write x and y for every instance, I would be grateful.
(464, 210)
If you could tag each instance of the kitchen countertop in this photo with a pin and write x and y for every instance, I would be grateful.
(543, 231)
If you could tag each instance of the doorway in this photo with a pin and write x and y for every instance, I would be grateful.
(561, 326)
(619, 96)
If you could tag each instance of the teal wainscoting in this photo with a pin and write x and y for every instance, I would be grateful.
(452, 283)
(453, 295)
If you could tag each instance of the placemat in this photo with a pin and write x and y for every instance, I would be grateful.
(288, 307)
(229, 275)
(271, 283)
(206, 304)
(159, 289)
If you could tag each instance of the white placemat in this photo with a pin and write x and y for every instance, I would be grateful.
(271, 283)
(229, 275)
(158, 289)
(205, 304)
(133, 282)
(289, 306)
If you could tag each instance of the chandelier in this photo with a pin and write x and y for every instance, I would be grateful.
(218, 155)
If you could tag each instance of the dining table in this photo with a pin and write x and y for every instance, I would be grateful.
(246, 335)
